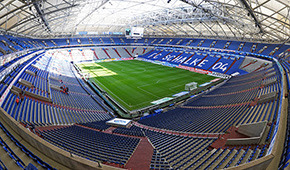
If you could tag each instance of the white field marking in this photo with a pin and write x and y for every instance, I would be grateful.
(148, 92)
(144, 70)
(140, 87)
(164, 80)
(120, 98)
(101, 72)
(174, 87)
(123, 100)
(113, 93)
(158, 81)
(142, 103)
(130, 106)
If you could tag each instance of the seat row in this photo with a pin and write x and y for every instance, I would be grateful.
(23, 149)
(132, 131)
(99, 125)
(32, 111)
(98, 146)
(179, 152)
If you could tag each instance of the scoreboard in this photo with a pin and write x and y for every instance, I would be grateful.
(134, 33)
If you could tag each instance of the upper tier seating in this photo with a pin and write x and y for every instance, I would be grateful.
(212, 61)
(11, 44)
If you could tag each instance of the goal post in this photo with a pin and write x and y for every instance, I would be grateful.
(190, 86)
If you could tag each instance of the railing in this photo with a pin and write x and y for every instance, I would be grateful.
(279, 109)
(10, 68)
(2, 99)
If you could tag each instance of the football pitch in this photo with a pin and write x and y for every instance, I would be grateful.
(135, 84)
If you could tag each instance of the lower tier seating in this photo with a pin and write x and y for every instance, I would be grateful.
(198, 120)
(181, 152)
(177, 151)
(98, 146)
(100, 125)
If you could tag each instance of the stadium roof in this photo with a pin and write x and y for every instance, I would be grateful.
(265, 20)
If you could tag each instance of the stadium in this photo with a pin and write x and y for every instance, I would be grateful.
(164, 84)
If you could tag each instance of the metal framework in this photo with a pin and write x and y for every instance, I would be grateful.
(257, 20)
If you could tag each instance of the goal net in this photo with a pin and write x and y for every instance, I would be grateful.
(190, 86)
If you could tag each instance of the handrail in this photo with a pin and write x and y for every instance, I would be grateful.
(279, 109)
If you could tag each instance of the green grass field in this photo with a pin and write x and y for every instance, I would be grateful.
(134, 84)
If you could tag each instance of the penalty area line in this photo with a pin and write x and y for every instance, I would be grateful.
(113, 94)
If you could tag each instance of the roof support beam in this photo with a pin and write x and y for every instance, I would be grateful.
(261, 4)
(103, 3)
(221, 28)
(274, 13)
(15, 14)
(31, 19)
(41, 15)
(5, 5)
(251, 12)
(200, 33)
(12, 11)
(67, 2)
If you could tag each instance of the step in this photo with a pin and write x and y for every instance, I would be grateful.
(240, 154)
(228, 159)
(264, 137)
(3, 135)
(25, 158)
(246, 157)
(180, 155)
(7, 160)
(194, 159)
(185, 155)
(219, 159)
(201, 161)
(191, 157)
(211, 159)
(258, 151)
(177, 148)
